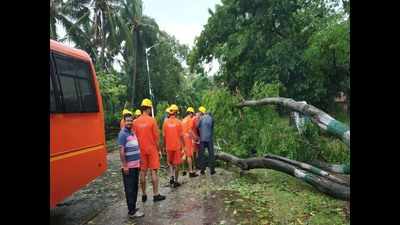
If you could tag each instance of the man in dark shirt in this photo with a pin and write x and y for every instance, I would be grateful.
(206, 131)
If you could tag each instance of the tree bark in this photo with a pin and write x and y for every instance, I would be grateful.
(135, 66)
(309, 168)
(321, 183)
(321, 118)
(335, 168)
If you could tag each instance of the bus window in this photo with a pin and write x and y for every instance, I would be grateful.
(69, 91)
(87, 92)
(88, 97)
(76, 85)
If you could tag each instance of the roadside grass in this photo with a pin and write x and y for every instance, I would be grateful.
(270, 197)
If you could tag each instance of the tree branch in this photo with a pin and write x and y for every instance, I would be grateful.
(321, 183)
(321, 118)
(309, 168)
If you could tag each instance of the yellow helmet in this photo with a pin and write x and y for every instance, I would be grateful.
(174, 107)
(138, 112)
(202, 109)
(167, 110)
(147, 102)
(125, 111)
(190, 109)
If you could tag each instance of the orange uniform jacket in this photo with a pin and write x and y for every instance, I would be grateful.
(172, 130)
(195, 121)
(187, 125)
(188, 137)
(146, 130)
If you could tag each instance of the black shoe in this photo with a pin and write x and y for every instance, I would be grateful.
(184, 173)
(144, 198)
(176, 184)
(133, 211)
(171, 181)
(158, 198)
(212, 172)
(202, 172)
(193, 174)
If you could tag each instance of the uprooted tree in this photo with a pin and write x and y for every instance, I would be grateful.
(321, 118)
(320, 179)
(324, 180)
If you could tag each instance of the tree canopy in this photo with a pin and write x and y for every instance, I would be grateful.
(301, 45)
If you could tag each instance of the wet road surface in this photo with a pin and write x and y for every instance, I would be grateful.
(102, 202)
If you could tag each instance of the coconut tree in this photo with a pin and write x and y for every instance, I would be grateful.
(74, 17)
(90, 25)
(129, 22)
(104, 33)
(67, 13)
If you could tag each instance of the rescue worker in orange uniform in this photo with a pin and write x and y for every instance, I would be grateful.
(187, 128)
(196, 138)
(122, 122)
(173, 144)
(146, 130)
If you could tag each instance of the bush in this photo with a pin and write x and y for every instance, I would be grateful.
(113, 93)
(161, 106)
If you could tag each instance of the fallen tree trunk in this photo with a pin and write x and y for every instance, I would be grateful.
(321, 118)
(309, 168)
(335, 168)
(322, 184)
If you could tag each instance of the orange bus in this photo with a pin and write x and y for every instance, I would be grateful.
(77, 139)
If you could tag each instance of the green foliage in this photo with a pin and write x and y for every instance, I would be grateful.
(272, 197)
(317, 144)
(160, 114)
(238, 131)
(303, 45)
(249, 128)
(166, 72)
(113, 94)
(328, 57)
(262, 90)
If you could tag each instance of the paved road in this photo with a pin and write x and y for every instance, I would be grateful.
(102, 202)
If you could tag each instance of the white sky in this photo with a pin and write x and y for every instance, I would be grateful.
(183, 19)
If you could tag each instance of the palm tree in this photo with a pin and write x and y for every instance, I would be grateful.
(67, 13)
(104, 31)
(138, 32)
(74, 16)
(90, 25)
(129, 22)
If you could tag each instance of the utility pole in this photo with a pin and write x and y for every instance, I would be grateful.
(148, 76)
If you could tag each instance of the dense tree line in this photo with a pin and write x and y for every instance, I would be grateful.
(301, 45)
